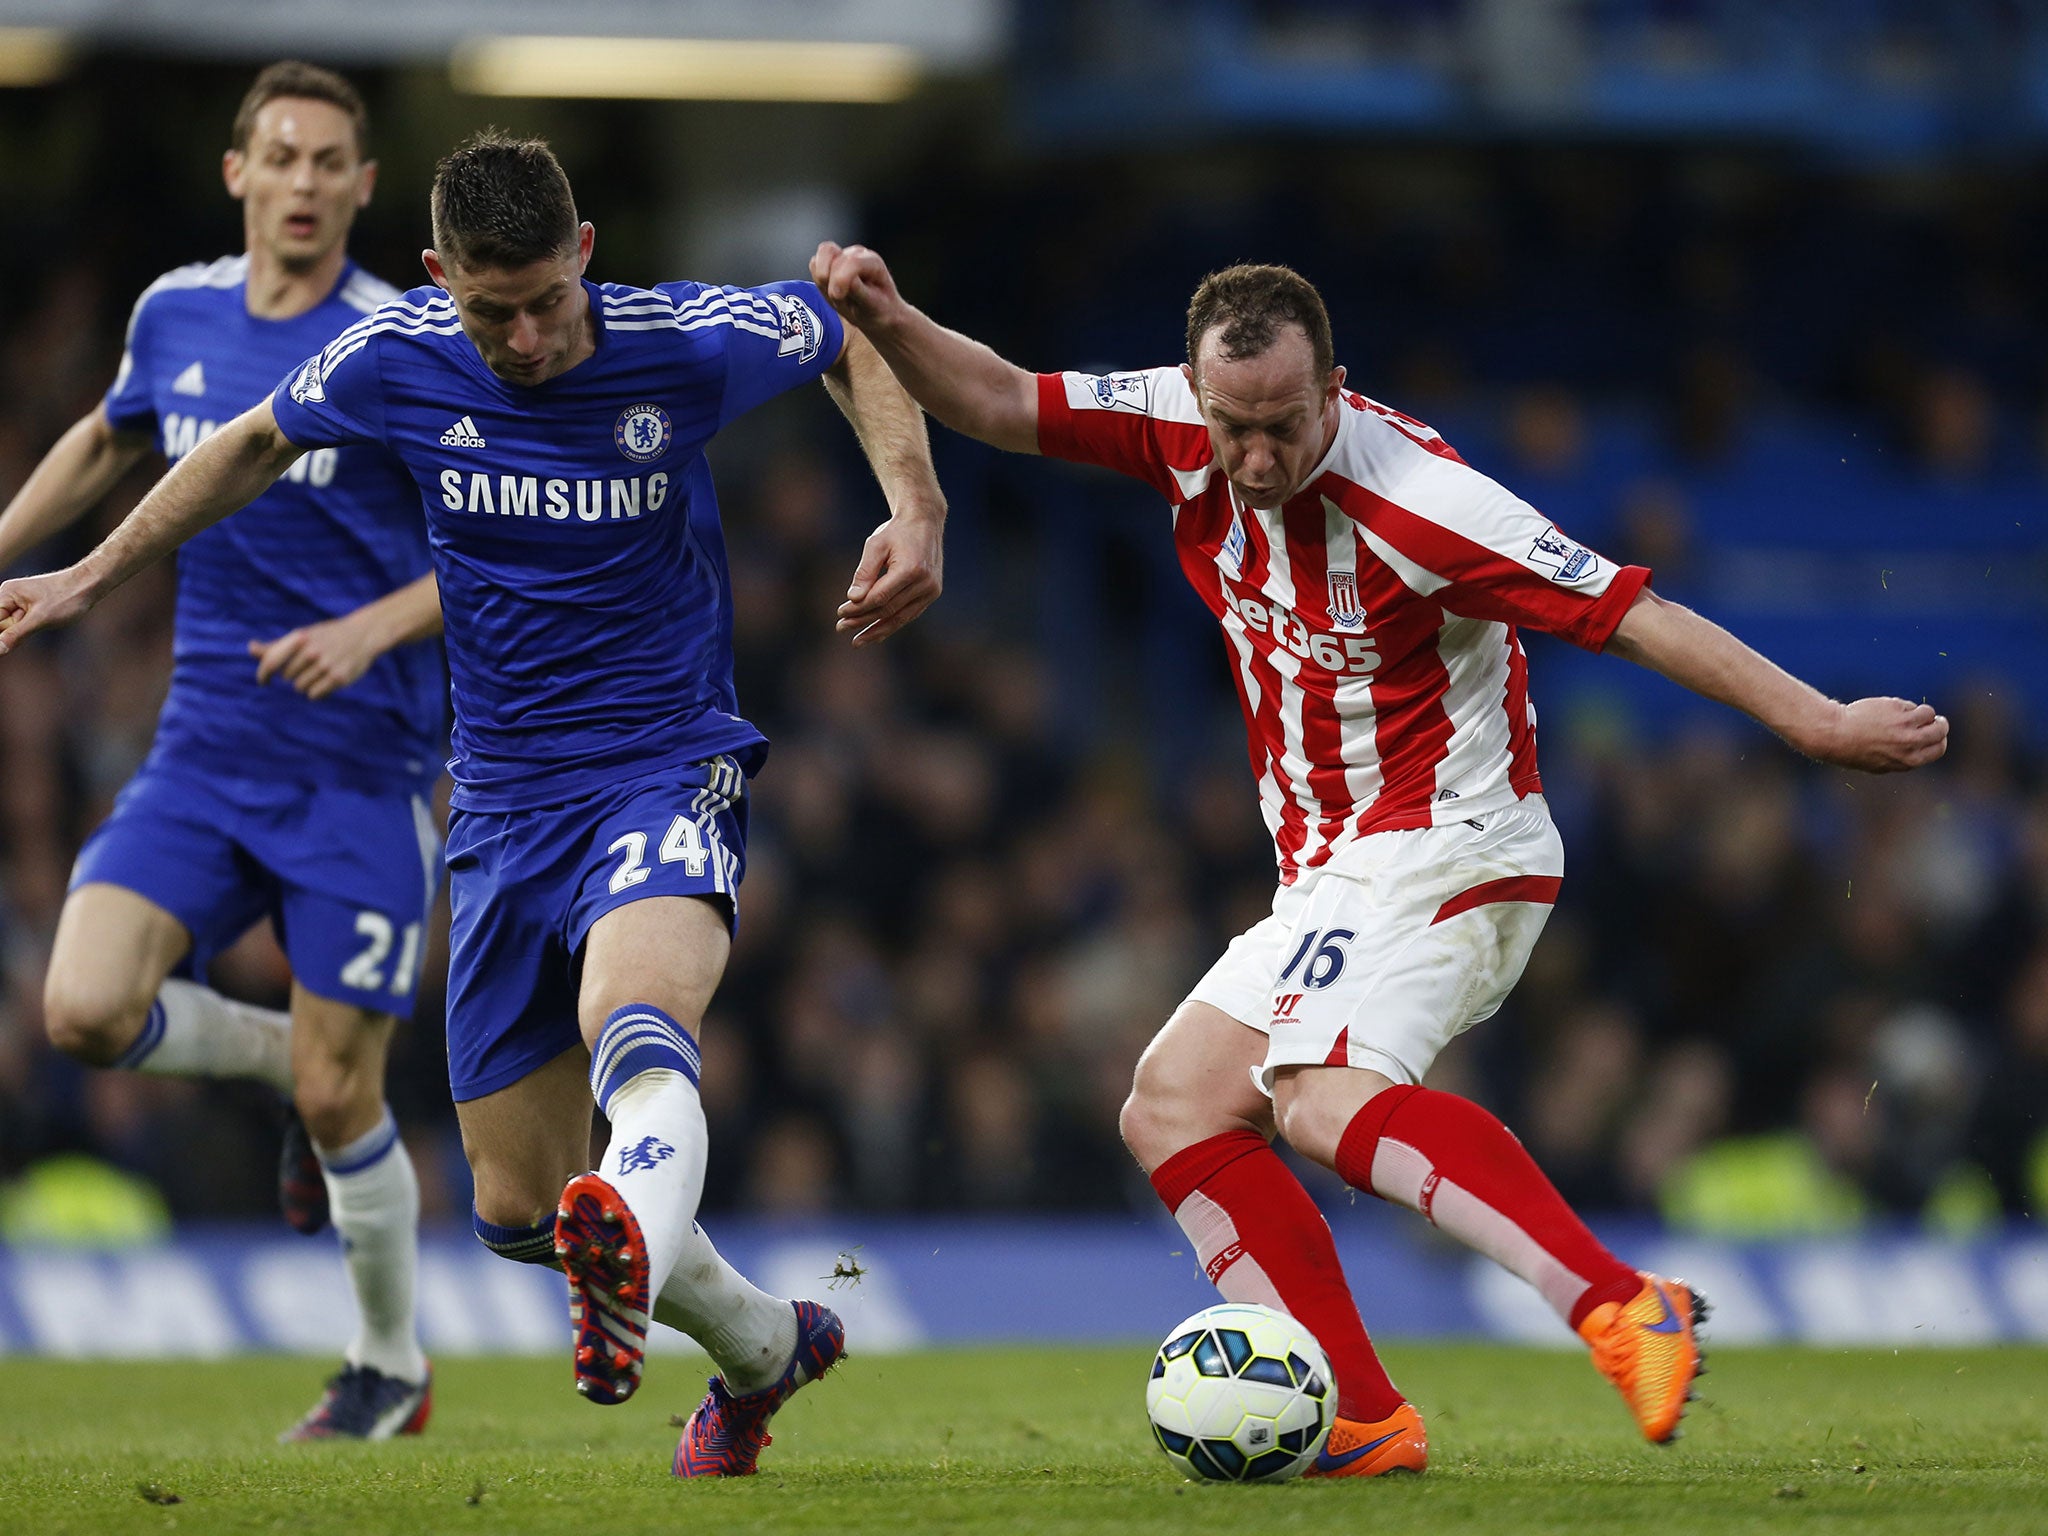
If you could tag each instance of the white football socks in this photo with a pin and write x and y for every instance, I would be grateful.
(643, 1074)
(656, 1160)
(750, 1334)
(374, 1197)
(192, 1031)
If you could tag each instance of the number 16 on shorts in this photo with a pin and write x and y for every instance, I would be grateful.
(1316, 961)
(1319, 963)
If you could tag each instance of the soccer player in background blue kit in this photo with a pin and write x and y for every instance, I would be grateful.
(304, 797)
(556, 430)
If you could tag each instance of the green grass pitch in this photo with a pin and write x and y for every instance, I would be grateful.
(1038, 1440)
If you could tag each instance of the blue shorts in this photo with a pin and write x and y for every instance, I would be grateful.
(527, 885)
(347, 877)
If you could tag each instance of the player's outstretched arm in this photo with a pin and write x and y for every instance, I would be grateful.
(321, 659)
(1875, 735)
(80, 468)
(901, 565)
(225, 472)
(959, 380)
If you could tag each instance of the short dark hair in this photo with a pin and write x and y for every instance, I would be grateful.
(501, 202)
(305, 82)
(1251, 303)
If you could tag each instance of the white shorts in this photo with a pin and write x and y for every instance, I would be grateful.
(1398, 945)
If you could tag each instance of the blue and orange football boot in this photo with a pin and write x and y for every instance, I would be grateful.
(1397, 1443)
(727, 1433)
(1646, 1347)
(362, 1403)
(597, 1240)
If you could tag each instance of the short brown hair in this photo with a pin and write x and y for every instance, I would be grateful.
(501, 202)
(1251, 303)
(306, 82)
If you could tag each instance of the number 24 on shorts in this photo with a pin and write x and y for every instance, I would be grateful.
(684, 844)
(1328, 961)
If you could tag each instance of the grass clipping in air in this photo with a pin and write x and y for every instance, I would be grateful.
(1039, 1440)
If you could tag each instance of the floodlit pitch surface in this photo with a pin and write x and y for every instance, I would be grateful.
(1037, 1440)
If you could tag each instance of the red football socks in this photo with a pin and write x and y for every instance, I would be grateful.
(1449, 1159)
(1261, 1239)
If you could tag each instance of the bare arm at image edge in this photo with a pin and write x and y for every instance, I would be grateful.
(78, 471)
(223, 474)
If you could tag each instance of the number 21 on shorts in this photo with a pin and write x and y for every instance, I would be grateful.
(366, 971)
(683, 844)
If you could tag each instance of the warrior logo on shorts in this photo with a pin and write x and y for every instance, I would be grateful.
(1344, 610)
(643, 432)
(644, 1154)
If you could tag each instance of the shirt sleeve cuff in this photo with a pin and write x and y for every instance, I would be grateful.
(1054, 439)
(1597, 626)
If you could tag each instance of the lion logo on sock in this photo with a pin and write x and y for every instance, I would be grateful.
(642, 1156)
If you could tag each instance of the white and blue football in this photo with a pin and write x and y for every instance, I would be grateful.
(1241, 1394)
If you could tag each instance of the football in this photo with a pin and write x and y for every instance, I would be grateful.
(1240, 1394)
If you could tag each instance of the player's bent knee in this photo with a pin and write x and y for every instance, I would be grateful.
(1148, 1119)
(520, 1191)
(1136, 1124)
(1291, 1116)
(1313, 1106)
(90, 1022)
(515, 1215)
(338, 1070)
(336, 1112)
(514, 1203)
(1158, 1120)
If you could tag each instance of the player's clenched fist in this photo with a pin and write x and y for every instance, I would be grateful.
(857, 282)
(37, 602)
(1883, 736)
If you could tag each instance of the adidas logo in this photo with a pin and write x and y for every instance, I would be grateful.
(191, 382)
(462, 435)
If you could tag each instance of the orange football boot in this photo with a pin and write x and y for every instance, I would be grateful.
(1397, 1443)
(1646, 1347)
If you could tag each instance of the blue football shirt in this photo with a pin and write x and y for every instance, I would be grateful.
(573, 522)
(341, 529)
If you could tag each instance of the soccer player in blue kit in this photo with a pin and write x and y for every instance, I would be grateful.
(299, 740)
(556, 429)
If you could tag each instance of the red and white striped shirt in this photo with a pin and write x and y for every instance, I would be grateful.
(1371, 620)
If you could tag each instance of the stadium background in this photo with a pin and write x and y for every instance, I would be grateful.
(1753, 298)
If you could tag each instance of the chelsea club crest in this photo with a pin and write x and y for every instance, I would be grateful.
(643, 432)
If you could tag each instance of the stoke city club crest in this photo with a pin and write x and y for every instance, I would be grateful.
(1344, 610)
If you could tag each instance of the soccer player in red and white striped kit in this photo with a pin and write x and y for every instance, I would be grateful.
(1369, 585)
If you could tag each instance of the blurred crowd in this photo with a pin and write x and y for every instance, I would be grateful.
(989, 858)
